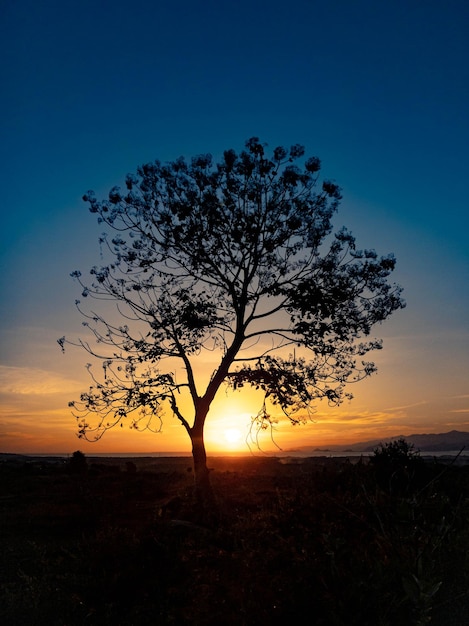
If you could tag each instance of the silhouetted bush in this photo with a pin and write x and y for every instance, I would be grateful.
(398, 465)
(78, 463)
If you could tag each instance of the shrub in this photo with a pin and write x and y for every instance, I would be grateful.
(78, 463)
(397, 465)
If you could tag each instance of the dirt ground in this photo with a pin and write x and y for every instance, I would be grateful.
(118, 541)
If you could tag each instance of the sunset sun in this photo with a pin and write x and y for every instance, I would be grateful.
(232, 435)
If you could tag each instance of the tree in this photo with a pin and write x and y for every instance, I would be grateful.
(397, 453)
(397, 463)
(222, 256)
(78, 464)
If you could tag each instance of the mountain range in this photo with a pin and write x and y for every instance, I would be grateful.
(453, 441)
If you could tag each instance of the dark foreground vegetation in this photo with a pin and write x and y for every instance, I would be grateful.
(321, 541)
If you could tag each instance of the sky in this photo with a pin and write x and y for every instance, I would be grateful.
(379, 91)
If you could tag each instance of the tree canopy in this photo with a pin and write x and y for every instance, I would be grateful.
(237, 257)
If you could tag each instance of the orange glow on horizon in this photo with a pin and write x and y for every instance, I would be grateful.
(35, 419)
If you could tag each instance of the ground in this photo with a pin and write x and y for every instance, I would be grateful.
(119, 541)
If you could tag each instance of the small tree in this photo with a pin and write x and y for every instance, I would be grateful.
(397, 453)
(77, 463)
(396, 464)
(235, 257)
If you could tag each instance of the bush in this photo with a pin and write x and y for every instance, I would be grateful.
(398, 465)
(78, 463)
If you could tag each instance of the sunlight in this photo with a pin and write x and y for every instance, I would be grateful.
(232, 435)
(229, 421)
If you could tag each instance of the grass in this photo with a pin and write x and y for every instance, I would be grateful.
(337, 541)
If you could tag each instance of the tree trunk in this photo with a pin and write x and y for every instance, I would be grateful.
(204, 495)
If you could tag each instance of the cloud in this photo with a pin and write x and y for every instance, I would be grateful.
(363, 417)
(406, 406)
(338, 417)
(33, 381)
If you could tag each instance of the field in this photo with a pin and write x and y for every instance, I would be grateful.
(320, 541)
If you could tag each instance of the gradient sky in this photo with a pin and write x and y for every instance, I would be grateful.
(378, 90)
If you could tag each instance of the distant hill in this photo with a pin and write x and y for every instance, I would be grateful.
(452, 441)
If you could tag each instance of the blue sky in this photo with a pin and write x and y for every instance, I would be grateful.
(378, 90)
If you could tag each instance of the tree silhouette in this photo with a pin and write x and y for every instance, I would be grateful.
(78, 464)
(235, 257)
